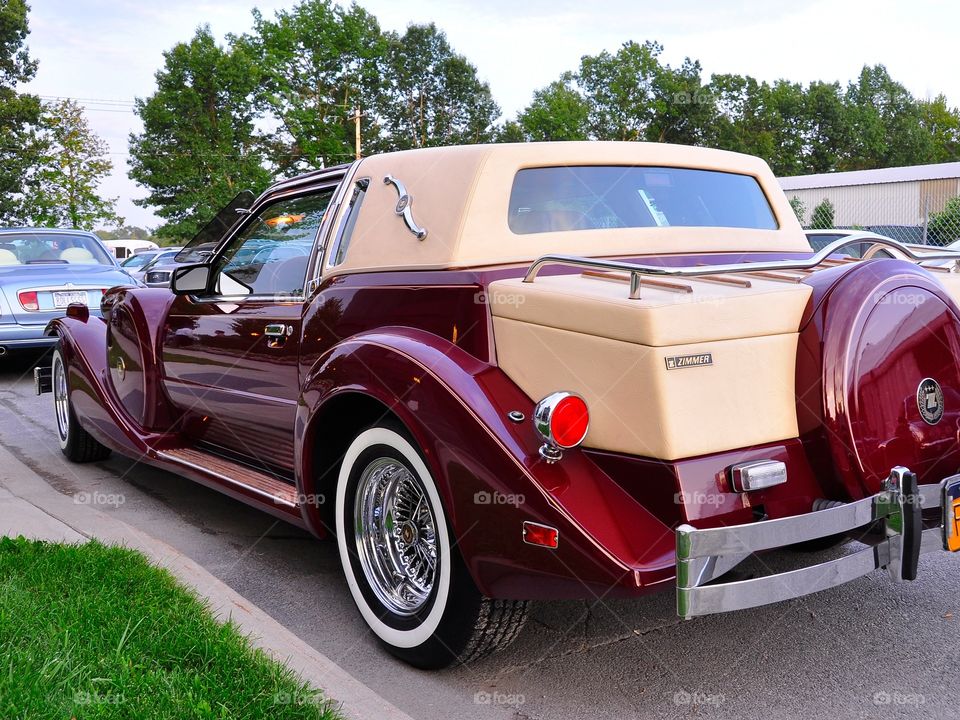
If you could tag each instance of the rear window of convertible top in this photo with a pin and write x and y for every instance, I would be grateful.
(597, 197)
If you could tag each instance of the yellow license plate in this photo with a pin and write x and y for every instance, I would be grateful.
(950, 490)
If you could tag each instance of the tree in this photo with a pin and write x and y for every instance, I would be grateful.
(432, 96)
(73, 164)
(799, 209)
(943, 125)
(558, 112)
(632, 96)
(199, 146)
(827, 128)
(318, 61)
(822, 217)
(944, 226)
(126, 231)
(887, 127)
(760, 119)
(19, 114)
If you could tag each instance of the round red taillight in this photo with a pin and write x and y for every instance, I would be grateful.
(569, 421)
(562, 419)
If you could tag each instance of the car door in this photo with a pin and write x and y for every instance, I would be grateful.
(231, 358)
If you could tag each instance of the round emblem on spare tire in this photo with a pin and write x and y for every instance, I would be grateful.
(930, 401)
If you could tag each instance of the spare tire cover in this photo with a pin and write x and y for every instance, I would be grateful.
(891, 379)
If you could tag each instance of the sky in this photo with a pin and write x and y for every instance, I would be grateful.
(107, 51)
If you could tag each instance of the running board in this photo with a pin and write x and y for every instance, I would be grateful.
(232, 473)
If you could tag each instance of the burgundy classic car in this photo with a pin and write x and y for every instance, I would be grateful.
(505, 373)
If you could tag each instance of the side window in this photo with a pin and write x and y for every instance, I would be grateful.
(342, 243)
(269, 256)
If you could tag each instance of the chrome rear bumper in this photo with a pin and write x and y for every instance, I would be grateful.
(895, 512)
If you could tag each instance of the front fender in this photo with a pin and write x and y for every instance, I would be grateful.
(86, 346)
(488, 470)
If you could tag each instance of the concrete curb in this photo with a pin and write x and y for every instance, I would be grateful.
(357, 701)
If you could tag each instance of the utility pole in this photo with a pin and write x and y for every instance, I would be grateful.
(356, 119)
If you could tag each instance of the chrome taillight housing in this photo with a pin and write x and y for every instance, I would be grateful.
(562, 420)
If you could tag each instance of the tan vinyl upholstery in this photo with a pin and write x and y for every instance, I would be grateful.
(661, 317)
(585, 335)
(77, 255)
(637, 406)
(8, 258)
(461, 196)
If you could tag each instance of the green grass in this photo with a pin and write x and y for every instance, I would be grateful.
(88, 631)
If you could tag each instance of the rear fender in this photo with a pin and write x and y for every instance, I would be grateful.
(487, 467)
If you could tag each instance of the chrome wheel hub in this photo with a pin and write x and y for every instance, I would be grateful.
(61, 400)
(395, 535)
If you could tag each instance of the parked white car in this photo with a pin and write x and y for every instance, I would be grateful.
(122, 249)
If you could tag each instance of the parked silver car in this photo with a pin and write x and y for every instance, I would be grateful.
(42, 271)
(161, 257)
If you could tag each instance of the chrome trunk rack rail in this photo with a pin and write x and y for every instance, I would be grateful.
(637, 271)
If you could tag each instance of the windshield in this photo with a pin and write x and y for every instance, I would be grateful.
(138, 260)
(205, 242)
(29, 248)
(162, 258)
(599, 197)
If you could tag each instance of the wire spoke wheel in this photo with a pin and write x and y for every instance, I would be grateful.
(61, 399)
(395, 533)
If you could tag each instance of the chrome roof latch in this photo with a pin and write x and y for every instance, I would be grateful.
(404, 207)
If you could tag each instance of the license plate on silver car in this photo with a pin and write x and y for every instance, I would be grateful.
(62, 299)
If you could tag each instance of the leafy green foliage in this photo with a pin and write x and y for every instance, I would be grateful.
(432, 95)
(73, 163)
(92, 631)
(19, 115)
(301, 74)
(886, 119)
(199, 146)
(317, 62)
(822, 217)
(943, 125)
(944, 226)
(558, 112)
(127, 231)
(799, 209)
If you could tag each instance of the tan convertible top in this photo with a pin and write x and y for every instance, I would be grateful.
(461, 197)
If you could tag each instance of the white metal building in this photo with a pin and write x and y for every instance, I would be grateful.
(903, 196)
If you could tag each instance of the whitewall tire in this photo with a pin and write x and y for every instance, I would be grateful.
(405, 576)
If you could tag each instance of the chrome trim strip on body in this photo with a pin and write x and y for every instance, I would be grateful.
(275, 499)
(637, 270)
(705, 555)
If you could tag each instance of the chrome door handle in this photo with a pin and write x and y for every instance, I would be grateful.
(278, 330)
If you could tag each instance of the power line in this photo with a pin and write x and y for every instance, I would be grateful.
(98, 101)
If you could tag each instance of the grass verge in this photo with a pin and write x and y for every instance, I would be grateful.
(89, 631)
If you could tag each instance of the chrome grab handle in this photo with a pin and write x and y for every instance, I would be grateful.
(636, 270)
(404, 207)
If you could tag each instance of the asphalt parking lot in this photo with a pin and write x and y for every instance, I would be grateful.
(871, 649)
